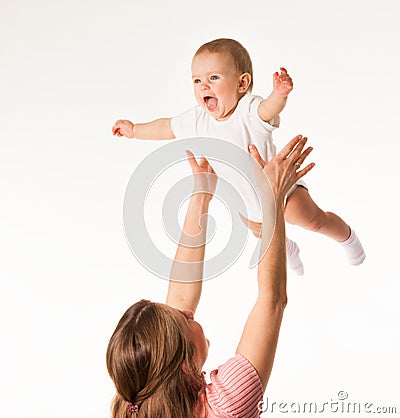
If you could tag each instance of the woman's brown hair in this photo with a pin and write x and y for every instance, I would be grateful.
(150, 360)
(237, 52)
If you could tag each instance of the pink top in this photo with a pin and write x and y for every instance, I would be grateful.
(235, 390)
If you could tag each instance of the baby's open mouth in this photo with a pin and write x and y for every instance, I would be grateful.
(211, 103)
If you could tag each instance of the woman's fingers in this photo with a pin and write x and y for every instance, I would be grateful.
(203, 161)
(300, 160)
(207, 166)
(256, 155)
(192, 161)
(297, 152)
(287, 150)
(202, 166)
(305, 170)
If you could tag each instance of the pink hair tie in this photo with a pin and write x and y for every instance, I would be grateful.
(133, 408)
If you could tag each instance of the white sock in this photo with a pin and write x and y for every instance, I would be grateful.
(354, 250)
(293, 258)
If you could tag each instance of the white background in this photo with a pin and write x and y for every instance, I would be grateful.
(69, 69)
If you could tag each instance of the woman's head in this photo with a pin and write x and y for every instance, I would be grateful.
(152, 361)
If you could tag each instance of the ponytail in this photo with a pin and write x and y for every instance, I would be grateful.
(120, 408)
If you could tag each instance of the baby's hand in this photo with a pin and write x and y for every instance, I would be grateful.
(123, 128)
(283, 84)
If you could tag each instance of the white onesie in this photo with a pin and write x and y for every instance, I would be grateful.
(244, 127)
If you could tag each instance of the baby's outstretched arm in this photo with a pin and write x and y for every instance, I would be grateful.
(156, 129)
(270, 107)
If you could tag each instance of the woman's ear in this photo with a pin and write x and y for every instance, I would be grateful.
(244, 82)
(185, 368)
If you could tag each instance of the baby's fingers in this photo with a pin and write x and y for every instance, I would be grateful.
(285, 79)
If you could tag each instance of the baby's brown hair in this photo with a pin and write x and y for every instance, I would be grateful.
(237, 52)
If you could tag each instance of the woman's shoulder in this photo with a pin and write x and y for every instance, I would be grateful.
(237, 368)
(235, 389)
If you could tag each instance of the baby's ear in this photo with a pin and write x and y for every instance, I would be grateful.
(244, 82)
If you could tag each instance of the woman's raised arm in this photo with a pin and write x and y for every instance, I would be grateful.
(260, 335)
(186, 276)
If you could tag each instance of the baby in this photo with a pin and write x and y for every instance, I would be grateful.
(222, 77)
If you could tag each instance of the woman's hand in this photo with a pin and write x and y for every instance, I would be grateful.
(205, 179)
(283, 171)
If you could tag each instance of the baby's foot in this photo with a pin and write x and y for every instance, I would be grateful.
(354, 250)
(293, 258)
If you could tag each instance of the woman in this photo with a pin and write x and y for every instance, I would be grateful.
(156, 354)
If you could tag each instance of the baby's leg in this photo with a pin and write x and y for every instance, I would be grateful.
(301, 210)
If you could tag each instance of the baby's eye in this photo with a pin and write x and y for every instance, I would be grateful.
(196, 81)
(214, 77)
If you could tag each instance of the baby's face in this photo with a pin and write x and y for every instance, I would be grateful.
(216, 84)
